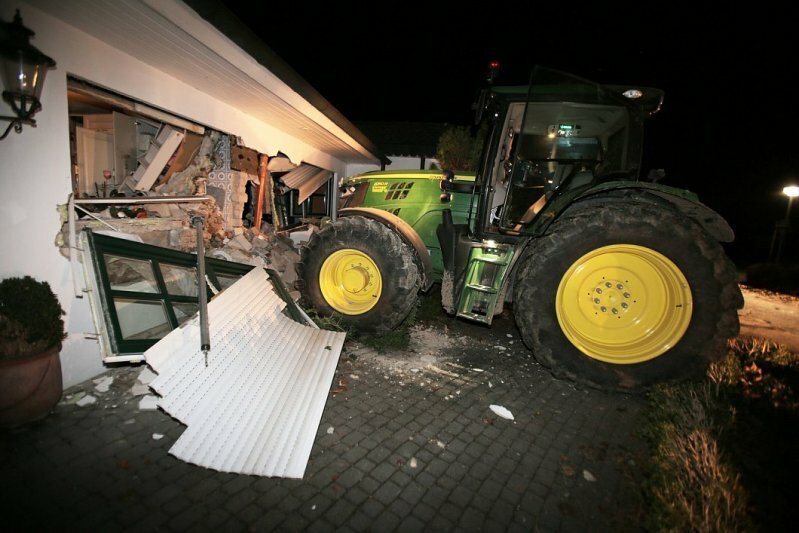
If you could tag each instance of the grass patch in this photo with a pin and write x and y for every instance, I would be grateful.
(724, 450)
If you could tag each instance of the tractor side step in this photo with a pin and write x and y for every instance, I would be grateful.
(482, 288)
(485, 275)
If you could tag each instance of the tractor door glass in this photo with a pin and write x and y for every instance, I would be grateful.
(561, 145)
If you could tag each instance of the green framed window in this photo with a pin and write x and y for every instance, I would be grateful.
(147, 291)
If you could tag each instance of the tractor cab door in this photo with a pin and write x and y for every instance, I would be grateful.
(573, 133)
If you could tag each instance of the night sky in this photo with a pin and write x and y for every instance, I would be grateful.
(727, 130)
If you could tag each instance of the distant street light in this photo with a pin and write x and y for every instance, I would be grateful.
(791, 191)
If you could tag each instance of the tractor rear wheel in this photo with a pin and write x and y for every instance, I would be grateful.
(360, 272)
(626, 294)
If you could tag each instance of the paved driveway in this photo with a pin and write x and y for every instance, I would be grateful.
(407, 442)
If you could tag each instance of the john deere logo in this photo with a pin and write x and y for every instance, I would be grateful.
(380, 186)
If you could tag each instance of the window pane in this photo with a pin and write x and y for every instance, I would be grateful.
(125, 274)
(139, 319)
(184, 311)
(181, 281)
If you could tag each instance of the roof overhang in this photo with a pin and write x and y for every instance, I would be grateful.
(173, 37)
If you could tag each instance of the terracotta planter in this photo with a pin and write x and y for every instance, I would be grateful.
(29, 387)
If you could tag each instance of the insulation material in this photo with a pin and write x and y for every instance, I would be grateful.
(257, 405)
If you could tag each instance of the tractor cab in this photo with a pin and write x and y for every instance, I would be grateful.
(561, 134)
(551, 140)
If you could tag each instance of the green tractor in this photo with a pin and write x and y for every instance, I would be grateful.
(614, 282)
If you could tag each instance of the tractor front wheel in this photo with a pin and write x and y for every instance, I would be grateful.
(361, 273)
(626, 294)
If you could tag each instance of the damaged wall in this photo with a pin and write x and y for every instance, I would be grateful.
(35, 174)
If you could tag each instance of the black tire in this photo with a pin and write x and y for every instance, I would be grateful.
(711, 276)
(393, 257)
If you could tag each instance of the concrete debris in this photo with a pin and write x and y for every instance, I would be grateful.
(330, 430)
(73, 399)
(300, 237)
(588, 476)
(413, 463)
(183, 182)
(146, 376)
(139, 389)
(103, 384)
(501, 412)
(240, 242)
(158, 436)
(86, 400)
(148, 403)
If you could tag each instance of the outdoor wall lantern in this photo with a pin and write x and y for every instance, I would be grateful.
(22, 70)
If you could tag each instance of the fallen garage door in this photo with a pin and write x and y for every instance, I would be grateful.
(255, 406)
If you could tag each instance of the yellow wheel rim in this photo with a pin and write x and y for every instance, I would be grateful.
(624, 304)
(350, 282)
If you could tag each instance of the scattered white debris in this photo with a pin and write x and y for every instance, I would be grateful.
(440, 444)
(490, 385)
(500, 348)
(509, 335)
(86, 400)
(102, 384)
(147, 375)
(501, 411)
(413, 463)
(148, 403)
(414, 370)
(588, 476)
(158, 436)
(330, 430)
(313, 507)
(139, 389)
(355, 376)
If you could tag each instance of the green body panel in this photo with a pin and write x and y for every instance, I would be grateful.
(415, 197)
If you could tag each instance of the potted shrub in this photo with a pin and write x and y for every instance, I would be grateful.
(31, 331)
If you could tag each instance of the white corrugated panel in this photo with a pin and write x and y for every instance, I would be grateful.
(257, 405)
(306, 179)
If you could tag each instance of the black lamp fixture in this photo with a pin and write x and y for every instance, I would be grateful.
(22, 68)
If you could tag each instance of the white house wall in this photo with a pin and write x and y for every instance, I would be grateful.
(35, 169)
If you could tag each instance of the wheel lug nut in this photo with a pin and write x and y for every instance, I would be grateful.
(598, 290)
(596, 300)
(603, 309)
(626, 294)
(624, 305)
(615, 311)
(619, 286)
(608, 284)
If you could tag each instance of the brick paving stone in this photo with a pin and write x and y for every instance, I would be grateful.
(387, 493)
(372, 507)
(424, 512)
(410, 523)
(382, 472)
(387, 521)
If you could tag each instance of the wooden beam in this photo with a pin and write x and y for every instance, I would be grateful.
(263, 192)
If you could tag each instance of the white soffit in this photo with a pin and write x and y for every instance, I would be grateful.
(256, 407)
(171, 37)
